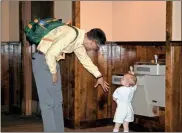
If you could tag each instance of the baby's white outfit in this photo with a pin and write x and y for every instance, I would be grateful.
(124, 111)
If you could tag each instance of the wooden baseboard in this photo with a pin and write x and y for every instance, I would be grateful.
(13, 109)
(4, 108)
(96, 123)
(89, 123)
(69, 123)
(140, 128)
(108, 121)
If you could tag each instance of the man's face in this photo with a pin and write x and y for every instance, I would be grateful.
(91, 45)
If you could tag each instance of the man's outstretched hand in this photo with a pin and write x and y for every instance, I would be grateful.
(103, 83)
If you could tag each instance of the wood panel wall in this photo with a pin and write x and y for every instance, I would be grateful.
(11, 77)
(94, 104)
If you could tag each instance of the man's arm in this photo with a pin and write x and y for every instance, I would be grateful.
(88, 64)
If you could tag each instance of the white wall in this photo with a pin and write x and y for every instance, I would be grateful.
(126, 20)
(5, 21)
(10, 17)
(176, 21)
(97, 14)
(63, 10)
(139, 20)
(10, 21)
(121, 20)
(14, 21)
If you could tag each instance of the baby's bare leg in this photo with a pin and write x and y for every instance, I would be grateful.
(126, 126)
(116, 127)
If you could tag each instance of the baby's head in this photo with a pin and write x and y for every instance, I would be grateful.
(129, 80)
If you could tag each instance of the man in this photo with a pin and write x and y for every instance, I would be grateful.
(46, 70)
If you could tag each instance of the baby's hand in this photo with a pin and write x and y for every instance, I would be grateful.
(131, 70)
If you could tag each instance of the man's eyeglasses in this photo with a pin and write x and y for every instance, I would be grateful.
(97, 44)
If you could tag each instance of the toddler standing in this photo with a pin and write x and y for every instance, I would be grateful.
(123, 97)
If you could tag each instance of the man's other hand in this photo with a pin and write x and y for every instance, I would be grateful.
(54, 77)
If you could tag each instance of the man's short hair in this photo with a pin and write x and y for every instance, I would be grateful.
(97, 35)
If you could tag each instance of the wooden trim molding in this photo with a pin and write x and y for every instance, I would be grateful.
(169, 9)
(27, 67)
(173, 115)
(76, 22)
(76, 13)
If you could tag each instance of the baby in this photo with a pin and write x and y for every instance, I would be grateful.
(123, 97)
